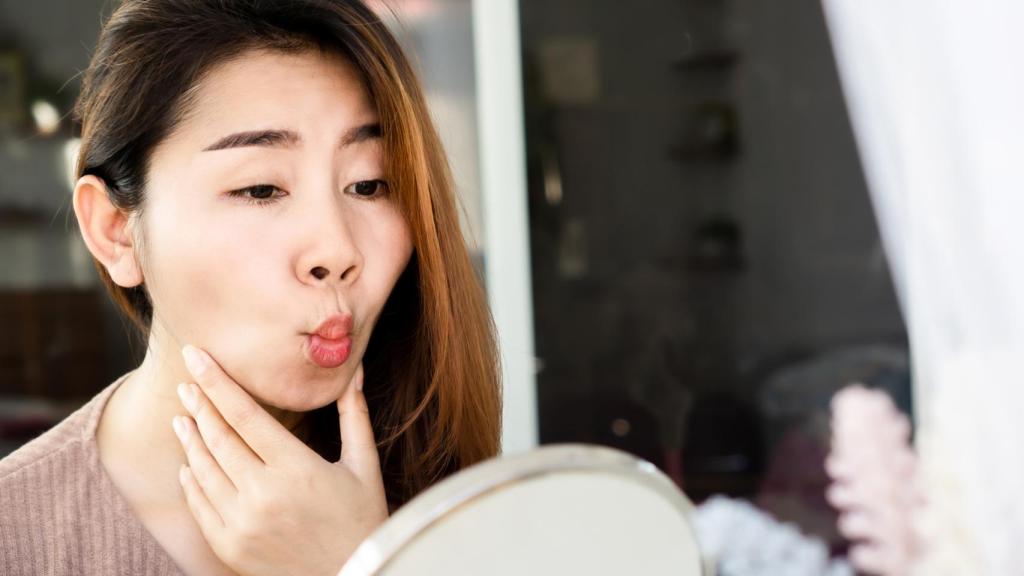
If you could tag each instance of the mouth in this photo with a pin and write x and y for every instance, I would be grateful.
(330, 344)
(328, 353)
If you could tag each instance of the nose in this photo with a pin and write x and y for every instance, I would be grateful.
(331, 255)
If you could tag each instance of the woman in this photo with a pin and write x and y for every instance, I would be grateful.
(264, 196)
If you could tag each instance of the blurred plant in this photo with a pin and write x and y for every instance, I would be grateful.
(741, 540)
(875, 483)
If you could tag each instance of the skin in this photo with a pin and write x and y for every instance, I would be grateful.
(245, 284)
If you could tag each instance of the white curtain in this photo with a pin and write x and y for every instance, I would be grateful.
(935, 90)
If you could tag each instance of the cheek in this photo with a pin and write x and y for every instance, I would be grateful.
(218, 280)
(209, 278)
(390, 247)
(221, 287)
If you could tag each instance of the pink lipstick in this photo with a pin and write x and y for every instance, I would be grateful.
(330, 344)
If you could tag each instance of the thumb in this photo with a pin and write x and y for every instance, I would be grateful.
(358, 446)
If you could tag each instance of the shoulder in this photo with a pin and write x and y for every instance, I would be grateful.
(44, 449)
(57, 461)
(47, 492)
(37, 477)
(76, 433)
(38, 483)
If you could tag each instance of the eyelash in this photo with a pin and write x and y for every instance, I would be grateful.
(242, 193)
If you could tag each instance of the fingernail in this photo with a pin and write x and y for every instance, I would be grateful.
(194, 361)
(179, 428)
(187, 394)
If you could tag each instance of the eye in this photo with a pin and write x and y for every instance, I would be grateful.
(369, 189)
(260, 194)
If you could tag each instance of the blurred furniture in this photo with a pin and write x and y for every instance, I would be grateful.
(52, 343)
(53, 356)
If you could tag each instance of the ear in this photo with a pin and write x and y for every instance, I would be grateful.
(107, 231)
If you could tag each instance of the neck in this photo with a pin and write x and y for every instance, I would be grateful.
(136, 427)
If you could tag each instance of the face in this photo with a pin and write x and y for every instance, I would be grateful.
(267, 212)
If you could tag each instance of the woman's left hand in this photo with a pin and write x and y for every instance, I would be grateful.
(265, 502)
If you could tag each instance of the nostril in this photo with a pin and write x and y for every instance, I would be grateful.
(320, 272)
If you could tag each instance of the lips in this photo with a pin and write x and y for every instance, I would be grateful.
(335, 328)
(330, 344)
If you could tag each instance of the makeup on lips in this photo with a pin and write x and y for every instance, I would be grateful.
(330, 344)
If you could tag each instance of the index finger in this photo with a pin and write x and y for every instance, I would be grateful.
(264, 435)
(358, 447)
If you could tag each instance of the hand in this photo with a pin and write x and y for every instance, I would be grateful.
(265, 502)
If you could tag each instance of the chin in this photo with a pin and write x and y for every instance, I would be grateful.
(299, 398)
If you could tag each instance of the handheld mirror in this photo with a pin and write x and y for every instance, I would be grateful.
(559, 509)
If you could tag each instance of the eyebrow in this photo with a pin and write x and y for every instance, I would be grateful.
(289, 139)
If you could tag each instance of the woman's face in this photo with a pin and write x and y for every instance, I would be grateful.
(264, 217)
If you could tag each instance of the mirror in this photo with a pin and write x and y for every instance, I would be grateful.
(559, 509)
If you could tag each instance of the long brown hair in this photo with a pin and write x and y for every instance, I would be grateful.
(432, 381)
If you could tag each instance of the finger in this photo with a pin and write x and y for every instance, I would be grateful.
(264, 435)
(358, 447)
(206, 516)
(231, 453)
(216, 485)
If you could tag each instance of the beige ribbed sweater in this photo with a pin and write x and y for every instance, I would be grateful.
(60, 513)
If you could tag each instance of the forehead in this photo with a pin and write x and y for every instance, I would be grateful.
(260, 89)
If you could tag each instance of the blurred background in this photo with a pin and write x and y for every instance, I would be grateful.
(702, 268)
